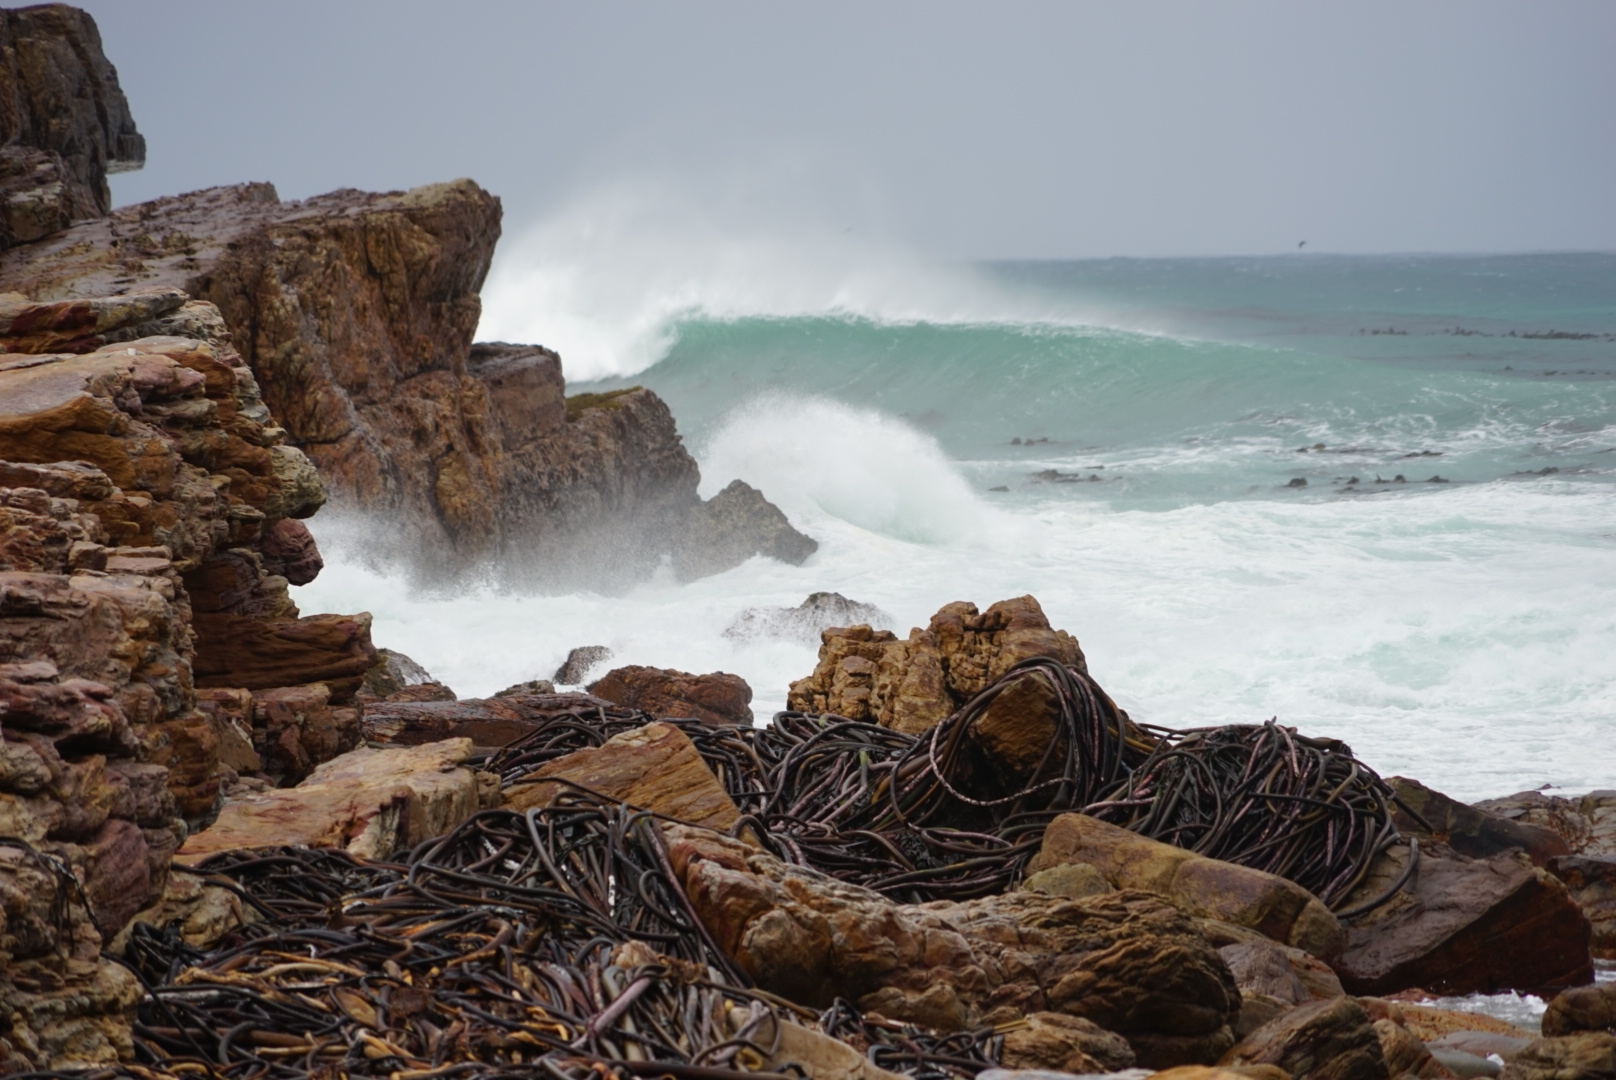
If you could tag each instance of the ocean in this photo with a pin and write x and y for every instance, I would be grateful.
(1374, 497)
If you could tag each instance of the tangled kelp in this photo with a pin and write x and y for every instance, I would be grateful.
(555, 942)
(934, 817)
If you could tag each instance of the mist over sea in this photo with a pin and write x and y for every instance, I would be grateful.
(1438, 593)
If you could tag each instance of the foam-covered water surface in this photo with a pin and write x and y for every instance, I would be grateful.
(1372, 498)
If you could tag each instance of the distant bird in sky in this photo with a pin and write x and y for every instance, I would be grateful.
(1301, 245)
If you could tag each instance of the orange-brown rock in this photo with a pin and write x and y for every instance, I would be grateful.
(356, 312)
(1062, 1043)
(910, 685)
(1129, 962)
(1405, 1054)
(1333, 1039)
(1209, 888)
(295, 728)
(1465, 926)
(1585, 1008)
(368, 802)
(655, 767)
(716, 698)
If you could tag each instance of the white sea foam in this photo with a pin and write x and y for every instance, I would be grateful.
(1462, 636)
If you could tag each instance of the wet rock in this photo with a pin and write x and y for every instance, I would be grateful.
(805, 622)
(716, 698)
(369, 802)
(289, 550)
(392, 672)
(580, 661)
(1591, 880)
(1128, 962)
(733, 526)
(1469, 831)
(1209, 888)
(1464, 926)
(1332, 1039)
(1587, 1055)
(910, 685)
(655, 768)
(1584, 1008)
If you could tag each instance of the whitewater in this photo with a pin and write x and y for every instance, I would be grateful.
(1370, 496)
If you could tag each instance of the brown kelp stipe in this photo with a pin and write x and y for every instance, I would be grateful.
(552, 943)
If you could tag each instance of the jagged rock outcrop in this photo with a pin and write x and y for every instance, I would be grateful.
(356, 312)
(807, 621)
(64, 122)
(715, 698)
(910, 685)
(1129, 962)
(138, 474)
(1333, 1039)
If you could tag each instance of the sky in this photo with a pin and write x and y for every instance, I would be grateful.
(963, 131)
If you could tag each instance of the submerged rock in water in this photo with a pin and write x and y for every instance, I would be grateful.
(716, 698)
(807, 621)
(574, 671)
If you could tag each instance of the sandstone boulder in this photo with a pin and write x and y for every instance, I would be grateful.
(1406, 1055)
(1129, 962)
(1209, 888)
(1332, 1039)
(1464, 926)
(910, 685)
(717, 698)
(1584, 1008)
(654, 768)
(369, 802)
(1062, 1043)
(1587, 1055)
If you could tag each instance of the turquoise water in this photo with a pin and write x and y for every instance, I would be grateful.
(1146, 421)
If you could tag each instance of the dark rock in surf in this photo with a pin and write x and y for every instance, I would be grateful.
(806, 621)
(733, 526)
(1467, 830)
(574, 671)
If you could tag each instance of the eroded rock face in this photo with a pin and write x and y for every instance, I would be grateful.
(356, 313)
(1465, 926)
(1129, 962)
(64, 122)
(369, 802)
(1209, 888)
(654, 768)
(716, 698)
(910, 685)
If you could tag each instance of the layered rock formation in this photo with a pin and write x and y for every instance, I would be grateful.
(910, 685)
(136, 481)
(715, 698)
(356, 312)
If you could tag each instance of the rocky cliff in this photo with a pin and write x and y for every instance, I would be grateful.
(141, 484)
(356, 313)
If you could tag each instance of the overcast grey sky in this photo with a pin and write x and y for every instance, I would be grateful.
(963, 130)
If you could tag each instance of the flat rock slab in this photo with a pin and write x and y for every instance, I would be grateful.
(369, 802)
(716, 698)
(487, 722)
(655, 767)
(1210, 888)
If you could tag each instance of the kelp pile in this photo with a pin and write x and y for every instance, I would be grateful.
(552, 943)
(942, 815)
